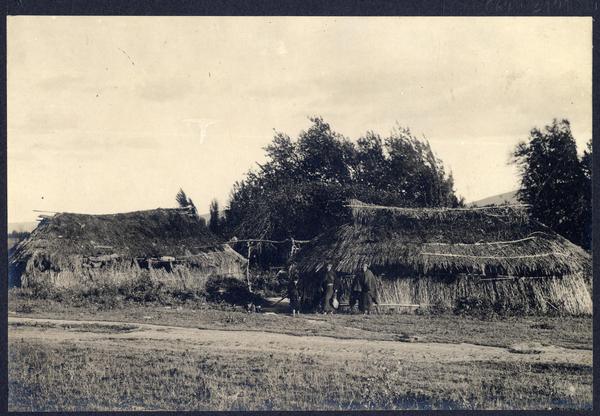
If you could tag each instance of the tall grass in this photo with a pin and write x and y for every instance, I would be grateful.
(111, 285)
(71, 377)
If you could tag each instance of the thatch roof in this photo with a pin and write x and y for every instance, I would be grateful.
(500, 239)
(154, 233)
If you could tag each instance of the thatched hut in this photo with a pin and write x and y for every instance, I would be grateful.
(66, 248)
(442, 256)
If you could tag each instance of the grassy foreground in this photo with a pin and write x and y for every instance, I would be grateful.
(125, 374)
(69, 377)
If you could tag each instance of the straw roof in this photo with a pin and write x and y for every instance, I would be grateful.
(153, 233)
(502, 239)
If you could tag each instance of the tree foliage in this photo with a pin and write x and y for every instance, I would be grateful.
(586, 166)
(214, 222)
(184, 201)
(555, 182)
(303, 186)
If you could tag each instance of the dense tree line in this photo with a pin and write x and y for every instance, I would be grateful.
(20, 235)
(303, 186)
(556, 182)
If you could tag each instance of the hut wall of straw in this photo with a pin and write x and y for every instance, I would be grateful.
(439, 256)
(78, 274)
(69, 249)
(569, 294)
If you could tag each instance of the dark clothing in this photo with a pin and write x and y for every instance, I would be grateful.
(328, 299)
(356, 297)
(293, 295)
(367, 301)
(368, 281)
(330, 279)
(369, 291)
(293, 274)
(355, 291)
(328, 290)
(357, 283)
(317, 300)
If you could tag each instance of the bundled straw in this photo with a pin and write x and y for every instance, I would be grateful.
(432, 244)
(67, 241)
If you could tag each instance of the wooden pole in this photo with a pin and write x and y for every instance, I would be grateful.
(248, 268)
(277, 303)
(403, 305)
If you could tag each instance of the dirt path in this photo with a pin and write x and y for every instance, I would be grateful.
(149, 336)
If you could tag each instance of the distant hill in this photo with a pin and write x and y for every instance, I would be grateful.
(207, 216)
(505, 198)
(21, 226)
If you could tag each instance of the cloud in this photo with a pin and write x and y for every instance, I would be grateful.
(162, 90)
(85, 141)
(46, 123)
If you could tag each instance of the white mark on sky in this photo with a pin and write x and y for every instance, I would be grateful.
(200, 124)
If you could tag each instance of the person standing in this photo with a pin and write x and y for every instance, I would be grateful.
(356, 292)
(293, 291)
(329, 289)
(369, 290)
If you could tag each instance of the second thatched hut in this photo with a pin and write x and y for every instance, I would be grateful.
(445, 257)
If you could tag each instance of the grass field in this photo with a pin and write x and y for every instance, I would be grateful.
(151, 357)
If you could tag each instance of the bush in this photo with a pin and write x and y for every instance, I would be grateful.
(485, 308)
(271, 283)
(557, 309)
(230, 290)
(437, 307)
(25, 308)
(108, 289)
(42, 289)
(144, 289)
(187, 295)
(474, 306)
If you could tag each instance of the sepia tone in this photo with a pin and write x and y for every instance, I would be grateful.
(286, 213)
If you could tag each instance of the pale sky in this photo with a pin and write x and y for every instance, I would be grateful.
(115, 114)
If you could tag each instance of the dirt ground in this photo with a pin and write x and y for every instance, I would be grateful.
(161, 358)
(151, 337)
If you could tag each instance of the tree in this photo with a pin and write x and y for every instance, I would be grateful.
(184, 201)
(586, 166)
(553, 179)
(417, 172)
(20, 235)
(214, 222)
(302, 188)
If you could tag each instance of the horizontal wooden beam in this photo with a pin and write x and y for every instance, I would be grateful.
(402, 305)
